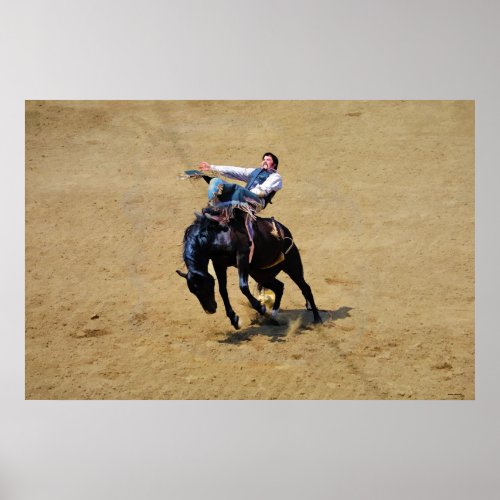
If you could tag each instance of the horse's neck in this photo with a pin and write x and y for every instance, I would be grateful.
(196, 255)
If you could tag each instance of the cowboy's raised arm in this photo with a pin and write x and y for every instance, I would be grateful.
(238, 173)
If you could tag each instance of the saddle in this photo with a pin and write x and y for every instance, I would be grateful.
(223, 217)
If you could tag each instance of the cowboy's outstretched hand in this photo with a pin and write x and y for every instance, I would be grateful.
(204, 165)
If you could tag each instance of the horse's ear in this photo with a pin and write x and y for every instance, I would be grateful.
(184, 275)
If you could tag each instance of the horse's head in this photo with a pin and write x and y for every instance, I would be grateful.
(203, 286)
(197, 241)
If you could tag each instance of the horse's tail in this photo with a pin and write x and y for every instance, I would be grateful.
(292, 256)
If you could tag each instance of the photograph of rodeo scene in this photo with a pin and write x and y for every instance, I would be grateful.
(346, 227)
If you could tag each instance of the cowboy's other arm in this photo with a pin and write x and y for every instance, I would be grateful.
(272, 183)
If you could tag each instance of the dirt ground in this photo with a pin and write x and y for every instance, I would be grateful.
(379, 196)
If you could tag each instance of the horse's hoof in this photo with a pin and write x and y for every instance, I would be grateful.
(235, 321)
(272, 317)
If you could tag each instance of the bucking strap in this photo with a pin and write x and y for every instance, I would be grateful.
(279, 260)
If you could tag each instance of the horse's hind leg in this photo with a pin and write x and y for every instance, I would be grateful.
(296, 273)
(307, 293)
(270, 282)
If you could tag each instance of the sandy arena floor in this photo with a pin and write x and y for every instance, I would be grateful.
(379, 196)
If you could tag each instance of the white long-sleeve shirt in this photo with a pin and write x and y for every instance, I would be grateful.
(272, 183)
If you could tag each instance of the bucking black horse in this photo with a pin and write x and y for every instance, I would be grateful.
(229, 245)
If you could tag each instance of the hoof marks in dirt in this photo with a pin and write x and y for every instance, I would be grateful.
(90, 333)
(442, 366)
(138, 318)
(92, 328)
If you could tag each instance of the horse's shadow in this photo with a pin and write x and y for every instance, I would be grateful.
(290, 322)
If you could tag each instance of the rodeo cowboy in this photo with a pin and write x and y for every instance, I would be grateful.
(262, 183)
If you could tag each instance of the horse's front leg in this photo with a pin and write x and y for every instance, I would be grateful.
(242, 263)
(221, 272)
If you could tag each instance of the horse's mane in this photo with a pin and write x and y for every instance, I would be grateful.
(196, 235)
(199, 228)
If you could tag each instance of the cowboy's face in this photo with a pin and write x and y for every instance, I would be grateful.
(267, 162)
